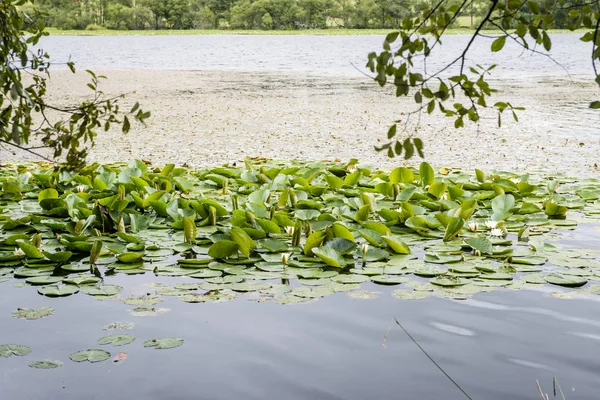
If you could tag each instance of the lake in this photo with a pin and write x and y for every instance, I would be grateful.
(321, 55)
(495, 345)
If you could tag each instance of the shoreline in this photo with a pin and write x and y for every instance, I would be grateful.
(249, 32)
(203, 118)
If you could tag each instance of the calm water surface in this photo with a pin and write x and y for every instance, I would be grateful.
(495, 345)
(323, 55)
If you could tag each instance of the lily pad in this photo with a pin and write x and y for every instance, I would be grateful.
(7, 350)
(58, 290)
(119, 325)
(163, 343)
(46, 364)
(410, 295)
(146, 300)
(30, 313)
(568, 281)
(116, 340)
(91, 355)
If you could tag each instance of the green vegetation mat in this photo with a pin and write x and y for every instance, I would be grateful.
(289, 232)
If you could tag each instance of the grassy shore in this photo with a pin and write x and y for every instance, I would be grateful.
(319, 32)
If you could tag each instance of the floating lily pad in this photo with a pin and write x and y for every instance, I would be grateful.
(147, 311)
(146, 300)
(363, 295)
(101, 290)
(350, 278)
(449, 282)
(119, 325)
(116, 340)
(410, 295)
(91, 355)
(568, 281)
(30, 313)
(389, 279)
(163, 343)
(46, 364)
(58, 290)
(7, 350)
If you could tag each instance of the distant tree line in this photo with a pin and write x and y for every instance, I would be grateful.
(235, 14)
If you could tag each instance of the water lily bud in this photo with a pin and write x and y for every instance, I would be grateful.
(293, 198)
(212, 216)
(285, 258)
(81, 188)
(364, 248)
(477, 252)
(121, 225)
(37, 241)
(472, 225)
(289, 230)
(396, 190)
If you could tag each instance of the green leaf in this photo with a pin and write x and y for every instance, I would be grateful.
(427, 174)
(163, 343)
(57, 257)
(595, 105)
(341, 245)
(91, 355)
(130, 257)
(223, 249)
(330, 256)
(392, 131)
(7, 350)
(562, 280)
(498, 44)
(58, 291)
(453, 228)
(95, 251)
(189, 230)
(47, 194)
(314, 240)
(481, 244)
(116, 340)
(30, 250)
(46, 364)
(30, 313)
(398, 246)
(245, 242)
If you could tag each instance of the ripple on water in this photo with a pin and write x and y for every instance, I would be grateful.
(457, 330)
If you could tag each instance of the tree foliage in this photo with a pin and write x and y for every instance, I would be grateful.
(457, 89)
(27, 120)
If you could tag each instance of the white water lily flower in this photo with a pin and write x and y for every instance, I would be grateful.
(81, 188)
(18, 252)
(497, 232)
(351, 168)
(285, 258)
(289, 230)
(472, 225)
(491, 224)
(364, 248)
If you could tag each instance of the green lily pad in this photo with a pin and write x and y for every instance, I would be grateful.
(410, 295)
(329, 256)
(44, 280)
(363, 295)
(449, 282)
(163, 343)
(116, 340)
(568, 281)
(119, 325)
(58, 290)
(101, 290)
(46, 364)
(91, 355)
(146, 300)
(147, 311)
(389, 279)
(30, 313)
(7, 350)
(344, 278)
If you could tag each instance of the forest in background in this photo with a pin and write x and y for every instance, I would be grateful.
(238, 14)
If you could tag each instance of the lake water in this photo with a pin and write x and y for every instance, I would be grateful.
(495, 345)
(322, 55)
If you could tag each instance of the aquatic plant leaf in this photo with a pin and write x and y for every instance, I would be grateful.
(101, 290)
(397, 245)
(130, 257)
(146, 300)
(61, 256)
(91, 355)
(410, 294)
(116, 340)
(329, 256)
(453, 228)
(223, 249)
(314, 240)
(30, 250)
(449, 281)
(30, 313)
(44, 280)
(568, 281)
(163, 343)
(46, 364)
(245, 242)
(7, 350)
(481, 244)
(119, 325)
(58, 290)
